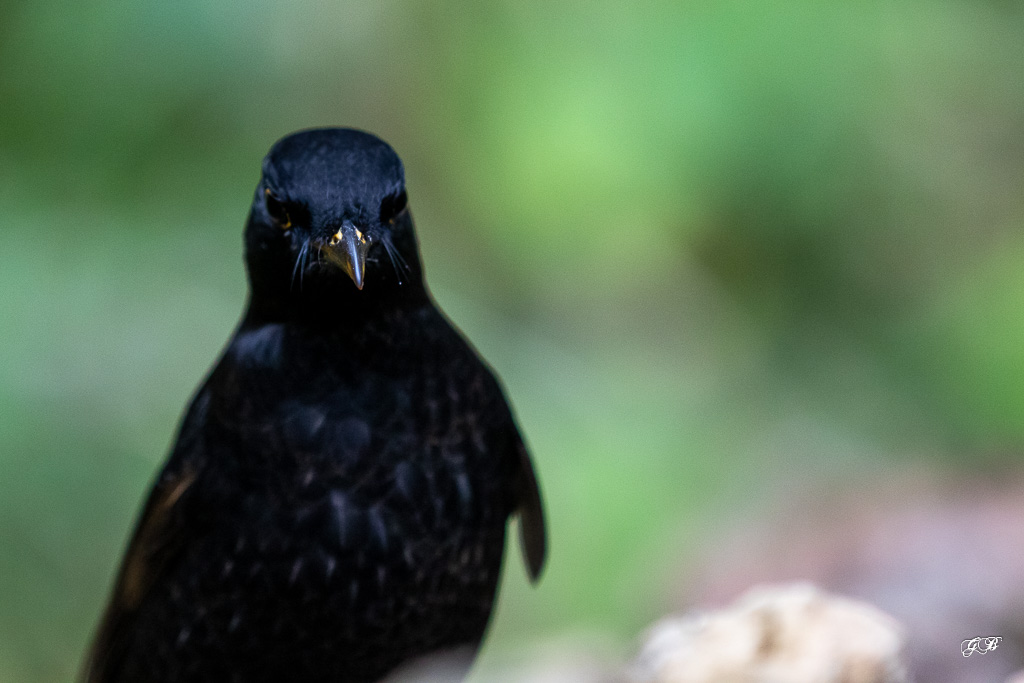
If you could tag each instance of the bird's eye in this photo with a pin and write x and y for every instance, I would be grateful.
(275, 207)
(392, 206)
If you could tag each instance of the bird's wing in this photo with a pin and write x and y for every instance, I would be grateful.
(159, 537)
(532, 533)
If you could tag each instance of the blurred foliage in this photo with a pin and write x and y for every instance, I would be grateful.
(710, 247)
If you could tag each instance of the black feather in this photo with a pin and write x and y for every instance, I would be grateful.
(335, 506)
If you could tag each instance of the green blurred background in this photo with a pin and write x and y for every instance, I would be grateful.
(712, 249)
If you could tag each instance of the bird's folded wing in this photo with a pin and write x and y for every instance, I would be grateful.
(532, 533)
(158, 538)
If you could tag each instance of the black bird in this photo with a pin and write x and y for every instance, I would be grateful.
(336, 502)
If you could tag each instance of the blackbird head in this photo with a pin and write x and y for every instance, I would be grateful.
(330, 218)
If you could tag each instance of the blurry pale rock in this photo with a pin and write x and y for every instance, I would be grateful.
(563, 671)
(566, 659)
(939, 551)
(444, 667)
(776, 634)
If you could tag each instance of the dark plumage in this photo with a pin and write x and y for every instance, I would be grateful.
(335, 505)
